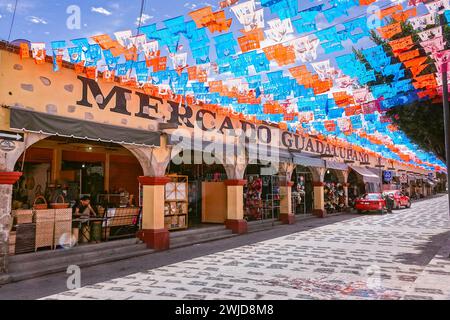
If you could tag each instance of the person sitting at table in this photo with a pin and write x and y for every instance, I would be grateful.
(83, 208)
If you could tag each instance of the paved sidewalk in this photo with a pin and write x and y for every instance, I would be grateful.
(395, 256)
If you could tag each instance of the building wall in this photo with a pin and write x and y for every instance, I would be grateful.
(124, 173)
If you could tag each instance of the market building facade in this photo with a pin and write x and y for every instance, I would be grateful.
(101, 138)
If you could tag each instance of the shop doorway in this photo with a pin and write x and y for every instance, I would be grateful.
(261, 194)
(202, 181)
(302, 190)
(334, 194)
(356, 187)
(57, 173)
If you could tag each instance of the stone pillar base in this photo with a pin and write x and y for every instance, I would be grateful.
(320, 213)
(287, 218)
(155, 239)
(237, 226)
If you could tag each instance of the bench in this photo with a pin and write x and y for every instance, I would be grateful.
(121, 222)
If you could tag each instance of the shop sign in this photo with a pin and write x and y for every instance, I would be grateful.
(11, 136)
(7, 145)
(185, 116)
(387, 176)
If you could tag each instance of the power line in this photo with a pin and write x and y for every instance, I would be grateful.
(141, 16)
(12, 21)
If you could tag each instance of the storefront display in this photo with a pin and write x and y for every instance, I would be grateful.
(302, 190)
(334, 195)
(176, 203)
(253, 198)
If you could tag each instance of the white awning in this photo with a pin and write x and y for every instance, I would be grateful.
(367, 175)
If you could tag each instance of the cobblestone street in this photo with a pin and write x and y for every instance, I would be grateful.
(403, 255)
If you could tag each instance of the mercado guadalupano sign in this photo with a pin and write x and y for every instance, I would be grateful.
(151, 108)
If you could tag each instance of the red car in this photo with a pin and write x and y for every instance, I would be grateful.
(400, 199)
(370, 202)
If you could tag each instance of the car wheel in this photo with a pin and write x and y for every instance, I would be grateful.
(360, 212)
(397, 205)
(408, 205)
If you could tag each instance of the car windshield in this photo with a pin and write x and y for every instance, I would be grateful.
(372, 196)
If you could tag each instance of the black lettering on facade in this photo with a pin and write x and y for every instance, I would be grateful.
(226, 124)
(286, 139)
(180, 119)
(309, 146)
(200, 119)
(268, 135)
(247, 128)
(102, 102)
(144, 101)
(319, 147)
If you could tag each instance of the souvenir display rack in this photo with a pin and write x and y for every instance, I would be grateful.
(253, 198)
(176, 203)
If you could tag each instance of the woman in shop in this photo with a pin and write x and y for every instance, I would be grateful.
(83, 208)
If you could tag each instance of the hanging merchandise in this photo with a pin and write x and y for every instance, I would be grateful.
(110, 60)
(83, 43)
(430, 34)
(361, 95)
(248, 16)
(343, 82)
(389, 11)
(387, 32)
(24, 50)
(214, 21)
(104, 41)
(176, 25)
(437, 7)
(225, 45)
(306, 48)
(402, 44)
(420, 23)
(436, 44)
(307, 21)
(38, 52)
(324, 69)
(58, 49)
(403, 16)
(179, 62)
(124, 38)
(279, 29)
(75, 54)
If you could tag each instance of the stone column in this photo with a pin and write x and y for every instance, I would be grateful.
(286, 214)
(346, 185)
(7, 179)
(285, 173)
(235, 206)
(319, 200)
(153, 233)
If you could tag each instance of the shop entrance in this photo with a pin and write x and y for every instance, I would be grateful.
(202, 182)
(302, 190)
(261, 194)
(334, 192)
(356, 187)
(58, 172)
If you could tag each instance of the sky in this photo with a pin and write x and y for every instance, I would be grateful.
(45, 21)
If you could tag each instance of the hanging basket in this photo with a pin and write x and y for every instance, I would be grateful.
(40, 206)
(59, 205)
